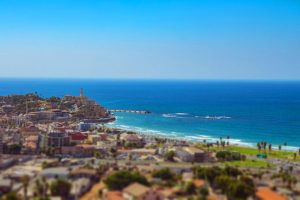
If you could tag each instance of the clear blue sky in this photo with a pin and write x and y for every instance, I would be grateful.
(186, 39)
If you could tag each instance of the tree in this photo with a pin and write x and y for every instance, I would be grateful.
(259, 147)
(189, 188)
(164, 174)
(222, 182)
(208, 173)
(203, 193)
(122, 179)
(169, 156)
(11, 196)
(41, 188)
(228, 138)
(25, 182)
(60, 187)
(231, 171)
(239, 190)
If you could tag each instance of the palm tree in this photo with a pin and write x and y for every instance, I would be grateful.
(223, 144)
(228, 138)
(25, 182)
(41, 187)
(46, 187)
(258, 146)
(270, 147)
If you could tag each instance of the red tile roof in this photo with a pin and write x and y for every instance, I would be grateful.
(78, 136)
(265, 193)
(199, 183)
(111, 195)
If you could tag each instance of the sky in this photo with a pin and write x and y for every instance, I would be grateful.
(151, 39)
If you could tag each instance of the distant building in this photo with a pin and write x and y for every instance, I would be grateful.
(132, 139)
(5, 186)
(48, 115)
(30, 144)
(138, 191)
(81, 150)
(29, 131)
(192, 154)
(86, 126)
(77, 137)
(84, 173)
(97, 138)
(55, 172)
(54, 139)
(80, 186)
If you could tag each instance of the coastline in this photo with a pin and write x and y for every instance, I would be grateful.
(191, 139)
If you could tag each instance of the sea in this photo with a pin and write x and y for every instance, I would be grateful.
(246, 111)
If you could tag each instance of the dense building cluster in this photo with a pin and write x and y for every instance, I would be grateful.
(60, 149)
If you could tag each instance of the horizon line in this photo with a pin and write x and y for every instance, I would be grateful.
(149, 79)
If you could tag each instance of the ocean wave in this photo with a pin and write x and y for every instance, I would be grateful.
(216, 117)
(182, 113)
(177, 115)
(188, 115)
(169, 115)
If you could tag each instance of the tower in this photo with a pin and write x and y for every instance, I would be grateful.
(81, 92)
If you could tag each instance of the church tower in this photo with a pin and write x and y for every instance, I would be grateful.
(81, 92)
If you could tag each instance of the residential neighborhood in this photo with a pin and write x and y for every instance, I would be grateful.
(61, 148)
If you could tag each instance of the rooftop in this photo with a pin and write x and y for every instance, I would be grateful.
(113, 195)
(265, 193)
(136, 189)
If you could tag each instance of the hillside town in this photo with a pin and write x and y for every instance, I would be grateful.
(61, 148)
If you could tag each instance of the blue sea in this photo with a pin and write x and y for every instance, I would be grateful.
(247, 111)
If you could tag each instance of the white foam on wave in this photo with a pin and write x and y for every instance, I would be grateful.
(182, 113)
(177, 115)
(216, 117)
(169, 115)
(187, 115)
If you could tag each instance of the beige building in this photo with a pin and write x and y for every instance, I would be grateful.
(138, 191)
